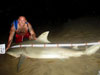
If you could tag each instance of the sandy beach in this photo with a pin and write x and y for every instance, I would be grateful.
(85, 29)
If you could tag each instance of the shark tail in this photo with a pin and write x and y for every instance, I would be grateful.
(91, 50)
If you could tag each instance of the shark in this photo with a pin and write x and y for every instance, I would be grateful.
(47, 53)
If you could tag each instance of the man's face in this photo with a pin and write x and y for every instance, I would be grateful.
(21, 21)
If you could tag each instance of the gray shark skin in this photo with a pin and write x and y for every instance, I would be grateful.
(48, 53)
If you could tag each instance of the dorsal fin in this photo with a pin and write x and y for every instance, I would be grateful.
(43, 37)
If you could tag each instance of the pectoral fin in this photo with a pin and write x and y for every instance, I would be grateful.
(20, 62)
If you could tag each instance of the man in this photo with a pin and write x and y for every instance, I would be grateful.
(23, 29)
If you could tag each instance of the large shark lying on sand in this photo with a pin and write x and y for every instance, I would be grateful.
(53, 52)
(47, 53)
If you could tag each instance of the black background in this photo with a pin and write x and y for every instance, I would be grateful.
(42, 12)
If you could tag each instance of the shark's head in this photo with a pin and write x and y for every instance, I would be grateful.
(43, 38)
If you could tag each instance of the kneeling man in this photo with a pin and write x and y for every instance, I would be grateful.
(22, 29)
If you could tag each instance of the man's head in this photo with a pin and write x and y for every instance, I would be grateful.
(22, 20)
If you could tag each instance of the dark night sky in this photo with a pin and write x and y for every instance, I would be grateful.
(39, 10)
(49, 8)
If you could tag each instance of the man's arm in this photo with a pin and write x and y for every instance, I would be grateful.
(12, 32)
(33, 35)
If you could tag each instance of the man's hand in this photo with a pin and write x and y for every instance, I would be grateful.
(32, 37)
(35, 38)
(7, 48)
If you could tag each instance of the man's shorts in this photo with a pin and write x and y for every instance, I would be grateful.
(19, 38)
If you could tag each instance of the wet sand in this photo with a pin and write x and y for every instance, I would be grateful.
(76, 31)
(85, 65)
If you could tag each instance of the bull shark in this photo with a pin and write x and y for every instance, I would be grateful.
(47, 53)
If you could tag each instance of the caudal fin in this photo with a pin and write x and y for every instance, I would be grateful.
(43, 37)
(92, 49)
